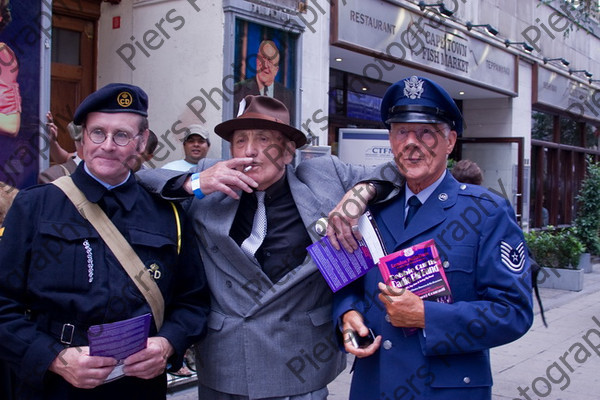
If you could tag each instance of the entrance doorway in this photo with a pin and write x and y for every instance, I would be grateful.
(73, 70)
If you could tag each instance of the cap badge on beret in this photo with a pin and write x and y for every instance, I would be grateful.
(413, 88)
(124, 99)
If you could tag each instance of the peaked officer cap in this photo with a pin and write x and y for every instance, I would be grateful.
(420, 100)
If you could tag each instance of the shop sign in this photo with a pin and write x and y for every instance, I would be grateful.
(395, 33)
(563, 93)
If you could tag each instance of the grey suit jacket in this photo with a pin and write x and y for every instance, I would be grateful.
(268, 339)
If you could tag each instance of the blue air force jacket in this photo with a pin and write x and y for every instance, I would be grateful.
(483, 254)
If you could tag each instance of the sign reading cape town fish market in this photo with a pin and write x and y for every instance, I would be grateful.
(392, 32)
(559, 91)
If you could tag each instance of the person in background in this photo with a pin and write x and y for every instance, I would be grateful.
(483, 258)
(195, 147)
(58, 277)
(67, 167)
(142, 160)
(467, 171)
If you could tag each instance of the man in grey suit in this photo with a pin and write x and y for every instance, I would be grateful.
(270, 330)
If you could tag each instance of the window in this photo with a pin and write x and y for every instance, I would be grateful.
(541, 126)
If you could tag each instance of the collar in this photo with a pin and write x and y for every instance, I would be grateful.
(277, 190)
(126, 192)
(424, 194)
(106, 185)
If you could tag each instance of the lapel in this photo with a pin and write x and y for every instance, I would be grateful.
(218, 218)
(310, 211)
(431, 214)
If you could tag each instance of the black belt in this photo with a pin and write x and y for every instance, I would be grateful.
(68, 333)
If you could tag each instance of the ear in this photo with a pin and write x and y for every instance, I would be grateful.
(452, 136)
(142, 143)
(290, 151)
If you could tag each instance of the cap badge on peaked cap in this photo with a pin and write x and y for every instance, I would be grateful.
(413, 88)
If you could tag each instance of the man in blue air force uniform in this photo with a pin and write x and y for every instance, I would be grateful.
(482, 252)
(58, 277)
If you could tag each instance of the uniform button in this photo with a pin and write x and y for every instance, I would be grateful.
(387, 318)
(228, 284)
(446, 264)
(286, 317)
(214, 249)
(387, 345)
(466, 379)
(268, 253)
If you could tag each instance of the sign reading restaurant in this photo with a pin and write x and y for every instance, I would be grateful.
(396, 33)
(563, 93)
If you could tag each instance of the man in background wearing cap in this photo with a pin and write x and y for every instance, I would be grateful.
(483, 255)
(270, 329)
(195, 147)
(58, 277)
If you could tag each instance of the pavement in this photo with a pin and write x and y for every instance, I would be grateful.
(559, 362)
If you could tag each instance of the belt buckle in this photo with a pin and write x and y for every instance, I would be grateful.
(67, 329)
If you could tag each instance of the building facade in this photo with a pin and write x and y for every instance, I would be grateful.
(522, 72)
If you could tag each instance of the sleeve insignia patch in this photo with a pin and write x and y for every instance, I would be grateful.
(513, 258)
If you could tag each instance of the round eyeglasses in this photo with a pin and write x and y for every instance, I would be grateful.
(120, 138)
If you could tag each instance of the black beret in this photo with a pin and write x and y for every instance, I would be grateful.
(113, 98)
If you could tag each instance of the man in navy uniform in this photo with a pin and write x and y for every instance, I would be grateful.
(482, 252)
(57, 277)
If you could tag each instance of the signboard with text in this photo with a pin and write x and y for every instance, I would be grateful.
(364, 146)
(395, 33)
(558, 91)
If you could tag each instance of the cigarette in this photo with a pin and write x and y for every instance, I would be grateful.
(248, 168)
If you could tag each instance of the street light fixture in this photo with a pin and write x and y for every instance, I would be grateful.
(528, 48)
(585, 72)
(443, 10)
(562, 60)
(488, 27)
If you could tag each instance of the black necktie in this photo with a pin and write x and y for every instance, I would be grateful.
(110, 204)
(265, 91)
(413, 206)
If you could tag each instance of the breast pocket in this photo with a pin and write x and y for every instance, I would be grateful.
(61, 256)
(459, 267)
(158, 253)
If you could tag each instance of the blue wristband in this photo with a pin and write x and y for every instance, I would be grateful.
(195, 181)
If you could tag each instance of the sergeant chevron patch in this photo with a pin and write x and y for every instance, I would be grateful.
(513, 258)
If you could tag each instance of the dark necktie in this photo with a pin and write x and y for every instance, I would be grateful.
(265, 91)
(413, 206)
(259, 228)
(110, 203)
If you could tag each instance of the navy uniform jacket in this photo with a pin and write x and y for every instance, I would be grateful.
(54, 270)
(483, 254)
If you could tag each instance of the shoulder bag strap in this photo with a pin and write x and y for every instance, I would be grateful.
(118, 245)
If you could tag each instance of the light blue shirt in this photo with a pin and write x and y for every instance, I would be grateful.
(424, 194)
(106, 185)
(179, 165)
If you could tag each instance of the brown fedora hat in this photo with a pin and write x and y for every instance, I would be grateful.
(262, 112)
